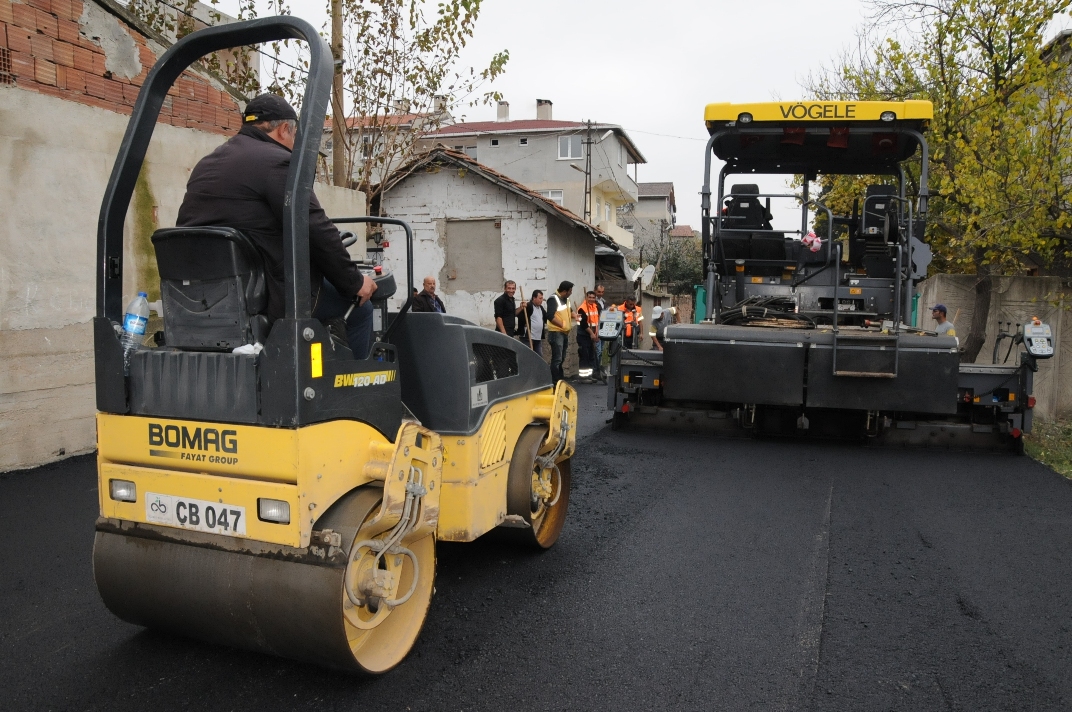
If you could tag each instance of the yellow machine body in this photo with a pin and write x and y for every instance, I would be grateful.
(311, 467)
(475, 468)
(819, 111)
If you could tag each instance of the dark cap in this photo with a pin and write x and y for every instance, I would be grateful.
(565, 285)
(939, 307)
(268, 107)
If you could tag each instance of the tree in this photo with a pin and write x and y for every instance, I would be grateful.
(399, 75)
(1001, 138)
(681, 265)
(400, 80)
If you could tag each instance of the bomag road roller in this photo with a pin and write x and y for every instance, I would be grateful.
(289, 501)
(808, 334)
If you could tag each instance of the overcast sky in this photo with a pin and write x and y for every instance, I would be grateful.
(652, 66)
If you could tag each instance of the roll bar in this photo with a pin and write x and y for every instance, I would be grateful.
(140, 129)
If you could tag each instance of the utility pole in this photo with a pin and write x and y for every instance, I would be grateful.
(338, 110)
(588, 175)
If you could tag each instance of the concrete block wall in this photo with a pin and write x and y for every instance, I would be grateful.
(1016, 300)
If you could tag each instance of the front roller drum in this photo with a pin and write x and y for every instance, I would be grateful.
(538, 494)
(265, 602)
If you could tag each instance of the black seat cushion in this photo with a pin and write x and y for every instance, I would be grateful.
(212, 286)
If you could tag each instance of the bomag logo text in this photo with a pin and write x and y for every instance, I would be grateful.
(358, 380)
(818, 111)
(196, 444)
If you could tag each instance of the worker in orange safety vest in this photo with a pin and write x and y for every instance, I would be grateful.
(588, 335)
(633, 316)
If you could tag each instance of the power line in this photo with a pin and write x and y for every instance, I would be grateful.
(682, 138)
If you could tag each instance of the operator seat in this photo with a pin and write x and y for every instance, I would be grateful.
(213, 288)
(871, 248)
(744, 211)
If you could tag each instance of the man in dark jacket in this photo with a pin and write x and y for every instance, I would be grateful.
(242, 185)
(428, 300)
(507, 310)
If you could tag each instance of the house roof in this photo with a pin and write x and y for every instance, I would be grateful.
(652, 190)
(657, 190)
(476, 128)
(441, 154)
(682, 231)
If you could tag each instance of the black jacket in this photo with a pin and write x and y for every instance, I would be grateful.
(241, 185)
(425, 302)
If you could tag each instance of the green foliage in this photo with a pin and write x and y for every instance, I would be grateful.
(681, 266)
(1051, 444)
(1001, 138)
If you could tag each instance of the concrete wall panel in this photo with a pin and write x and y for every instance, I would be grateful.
(1015, 300)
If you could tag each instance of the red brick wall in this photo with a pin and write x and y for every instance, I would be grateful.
(49, 56)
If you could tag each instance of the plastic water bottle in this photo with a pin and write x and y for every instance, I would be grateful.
(134, 322)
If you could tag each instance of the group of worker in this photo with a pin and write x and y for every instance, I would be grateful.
(553, 319)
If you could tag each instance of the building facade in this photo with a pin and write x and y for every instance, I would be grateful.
(651, 218)
(552, 158)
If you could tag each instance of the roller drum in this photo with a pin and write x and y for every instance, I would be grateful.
(262, 598)
(274, 606)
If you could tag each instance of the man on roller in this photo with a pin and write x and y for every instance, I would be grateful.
(242, 184)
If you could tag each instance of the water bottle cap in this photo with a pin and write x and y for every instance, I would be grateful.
(143, 294)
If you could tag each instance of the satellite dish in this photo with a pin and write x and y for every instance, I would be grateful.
(646, 276)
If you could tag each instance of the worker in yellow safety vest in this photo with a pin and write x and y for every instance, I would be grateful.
(633, 316)
(559, 325)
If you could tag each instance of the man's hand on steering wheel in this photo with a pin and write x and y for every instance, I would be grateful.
(368, 286)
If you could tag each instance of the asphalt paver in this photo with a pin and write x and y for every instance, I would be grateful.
(693, 573)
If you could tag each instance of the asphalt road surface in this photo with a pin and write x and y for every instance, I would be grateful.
(694, 573)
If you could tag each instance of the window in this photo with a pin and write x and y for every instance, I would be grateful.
(524, 141)
(569, 146)
(366, 146)
(555, 196)
(471, 152)
(494, 142)
(606, 212)
(621, 154)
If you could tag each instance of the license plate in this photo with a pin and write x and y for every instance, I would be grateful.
(197, 514)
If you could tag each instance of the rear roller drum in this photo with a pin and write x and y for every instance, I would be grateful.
(538, 493)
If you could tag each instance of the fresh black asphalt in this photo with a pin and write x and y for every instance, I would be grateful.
(694, 573)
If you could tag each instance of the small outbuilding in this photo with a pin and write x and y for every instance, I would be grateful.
(475, 228)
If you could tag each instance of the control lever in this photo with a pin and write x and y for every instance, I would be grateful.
(385, 289)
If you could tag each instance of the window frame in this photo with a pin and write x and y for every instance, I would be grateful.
(561, 196)
(580, 145)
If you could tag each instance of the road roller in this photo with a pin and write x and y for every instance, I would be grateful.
(289, 500)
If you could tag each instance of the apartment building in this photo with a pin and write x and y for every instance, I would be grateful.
(551, 157)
